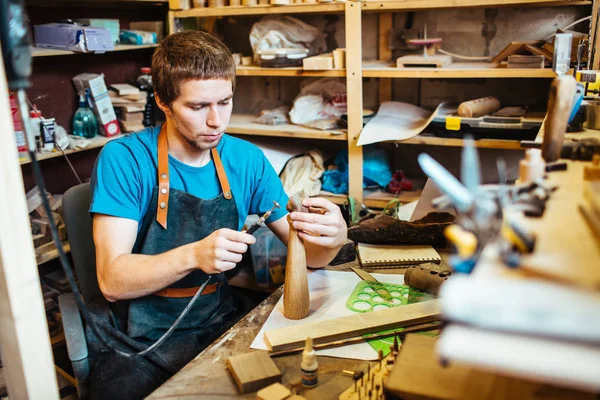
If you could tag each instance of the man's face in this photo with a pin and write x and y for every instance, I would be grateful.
(201, 112)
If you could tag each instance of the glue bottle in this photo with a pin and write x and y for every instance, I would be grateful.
(309, 365)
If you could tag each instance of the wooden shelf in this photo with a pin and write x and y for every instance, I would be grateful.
(334, 7)
(461, 70)
(452, 142)
(38, 52)
(98, 141)
(373, 199)
(290, 71)
(241, 124)
(413, 5)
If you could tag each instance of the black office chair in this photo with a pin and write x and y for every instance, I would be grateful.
(75, 214)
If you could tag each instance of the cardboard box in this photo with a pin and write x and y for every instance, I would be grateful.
(111, 24)
(157, 27)
(103, 107)
(73, 38)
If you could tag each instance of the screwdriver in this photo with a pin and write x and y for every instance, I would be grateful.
(254, 227)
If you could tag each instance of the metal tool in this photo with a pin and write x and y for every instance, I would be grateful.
(254, 227)
(481, 220)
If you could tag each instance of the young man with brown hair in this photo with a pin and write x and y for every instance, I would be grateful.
(168, 205)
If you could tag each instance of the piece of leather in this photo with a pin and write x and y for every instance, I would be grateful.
(221, 174)
(163, 177)
(187, 292)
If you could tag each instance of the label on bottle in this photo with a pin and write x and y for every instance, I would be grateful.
(310, 378)
(47, 132)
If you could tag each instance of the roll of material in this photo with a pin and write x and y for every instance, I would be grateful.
(478, 107)
(593, 115)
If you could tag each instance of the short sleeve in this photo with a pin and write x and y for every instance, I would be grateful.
(116, 183)
(268, 189)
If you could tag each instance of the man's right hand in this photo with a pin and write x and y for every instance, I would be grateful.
(222, 250)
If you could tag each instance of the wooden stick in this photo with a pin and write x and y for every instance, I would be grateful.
(296, 299)
(359, 339)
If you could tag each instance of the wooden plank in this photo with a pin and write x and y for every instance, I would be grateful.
(98, 141)
(418, 374)
(595, 38)
(355, 97)
(241, 124)
(353, 325)
(262, 9)
(253, 371)
(385, 55)
(458, 70)
(26, 350)
(38, 52)
(413, 5)
(253, 70)
(454, 142)
(170, 22)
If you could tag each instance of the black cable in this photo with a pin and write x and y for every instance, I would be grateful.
(39, 180)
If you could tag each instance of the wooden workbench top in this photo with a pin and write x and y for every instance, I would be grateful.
(207, 377)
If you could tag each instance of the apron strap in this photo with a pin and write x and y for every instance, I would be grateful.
(163, 176)
(221, 174)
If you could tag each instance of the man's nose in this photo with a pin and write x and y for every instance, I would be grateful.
(213, 119)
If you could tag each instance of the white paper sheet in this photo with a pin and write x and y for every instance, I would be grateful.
(329, 291)
(396, 121)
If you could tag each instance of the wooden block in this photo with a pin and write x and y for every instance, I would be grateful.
(179, 4)
(592, 172)
(42, 224)
(512, 48)
(434, 61)
(539, 51)
(339, 58)
(130, 107)
(320, 62)
(39, 240)
(253, 371)
(274, 392)
(353, 325)
(132, 116)
(125, 89)
(134, 126)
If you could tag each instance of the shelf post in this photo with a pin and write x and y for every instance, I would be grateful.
(385, 55)
(355, 96)
(24, 338)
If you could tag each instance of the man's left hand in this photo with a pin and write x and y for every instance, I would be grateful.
(326, 228)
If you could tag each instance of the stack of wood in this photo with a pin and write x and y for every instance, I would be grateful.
(129, 103)
(529, 62)
(40, 224)
(543, 50)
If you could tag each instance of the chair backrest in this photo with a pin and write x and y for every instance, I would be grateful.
(75, 213)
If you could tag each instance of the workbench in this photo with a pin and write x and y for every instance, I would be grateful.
(207, 376)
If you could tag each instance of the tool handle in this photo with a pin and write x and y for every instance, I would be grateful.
(560, 102)
(253, 228)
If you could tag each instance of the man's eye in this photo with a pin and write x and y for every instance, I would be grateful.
(225, 103)
(197, 108)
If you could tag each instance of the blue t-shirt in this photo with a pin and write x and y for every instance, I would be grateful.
(125, 176)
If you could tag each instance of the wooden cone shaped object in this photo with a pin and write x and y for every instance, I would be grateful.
(296, 299)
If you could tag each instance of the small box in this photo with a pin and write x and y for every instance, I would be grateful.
(269, 256)
(111, 24)
(137, 37)
(73, 38)
(102, 105)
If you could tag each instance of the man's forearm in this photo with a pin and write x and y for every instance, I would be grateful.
(129, 276)
(318, 256)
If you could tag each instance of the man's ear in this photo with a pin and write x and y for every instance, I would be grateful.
(165, 108)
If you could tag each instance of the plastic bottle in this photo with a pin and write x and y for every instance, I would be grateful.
(309, 365)
(144, 83)
(84, 120)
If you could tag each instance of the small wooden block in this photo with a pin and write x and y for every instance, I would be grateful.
(274, 392)
(253, 371)
(592, 172)
(320, 62)
(435, 61)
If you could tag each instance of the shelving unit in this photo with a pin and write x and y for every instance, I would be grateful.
(39, 52)
(98, 141)
(384, 68)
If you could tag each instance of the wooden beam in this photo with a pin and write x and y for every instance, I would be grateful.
(594, 39)
(355, 97)
(24, 338)
(385, 55)
(353, 325)
(170, 23)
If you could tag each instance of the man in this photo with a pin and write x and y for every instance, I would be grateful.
(168, 205)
